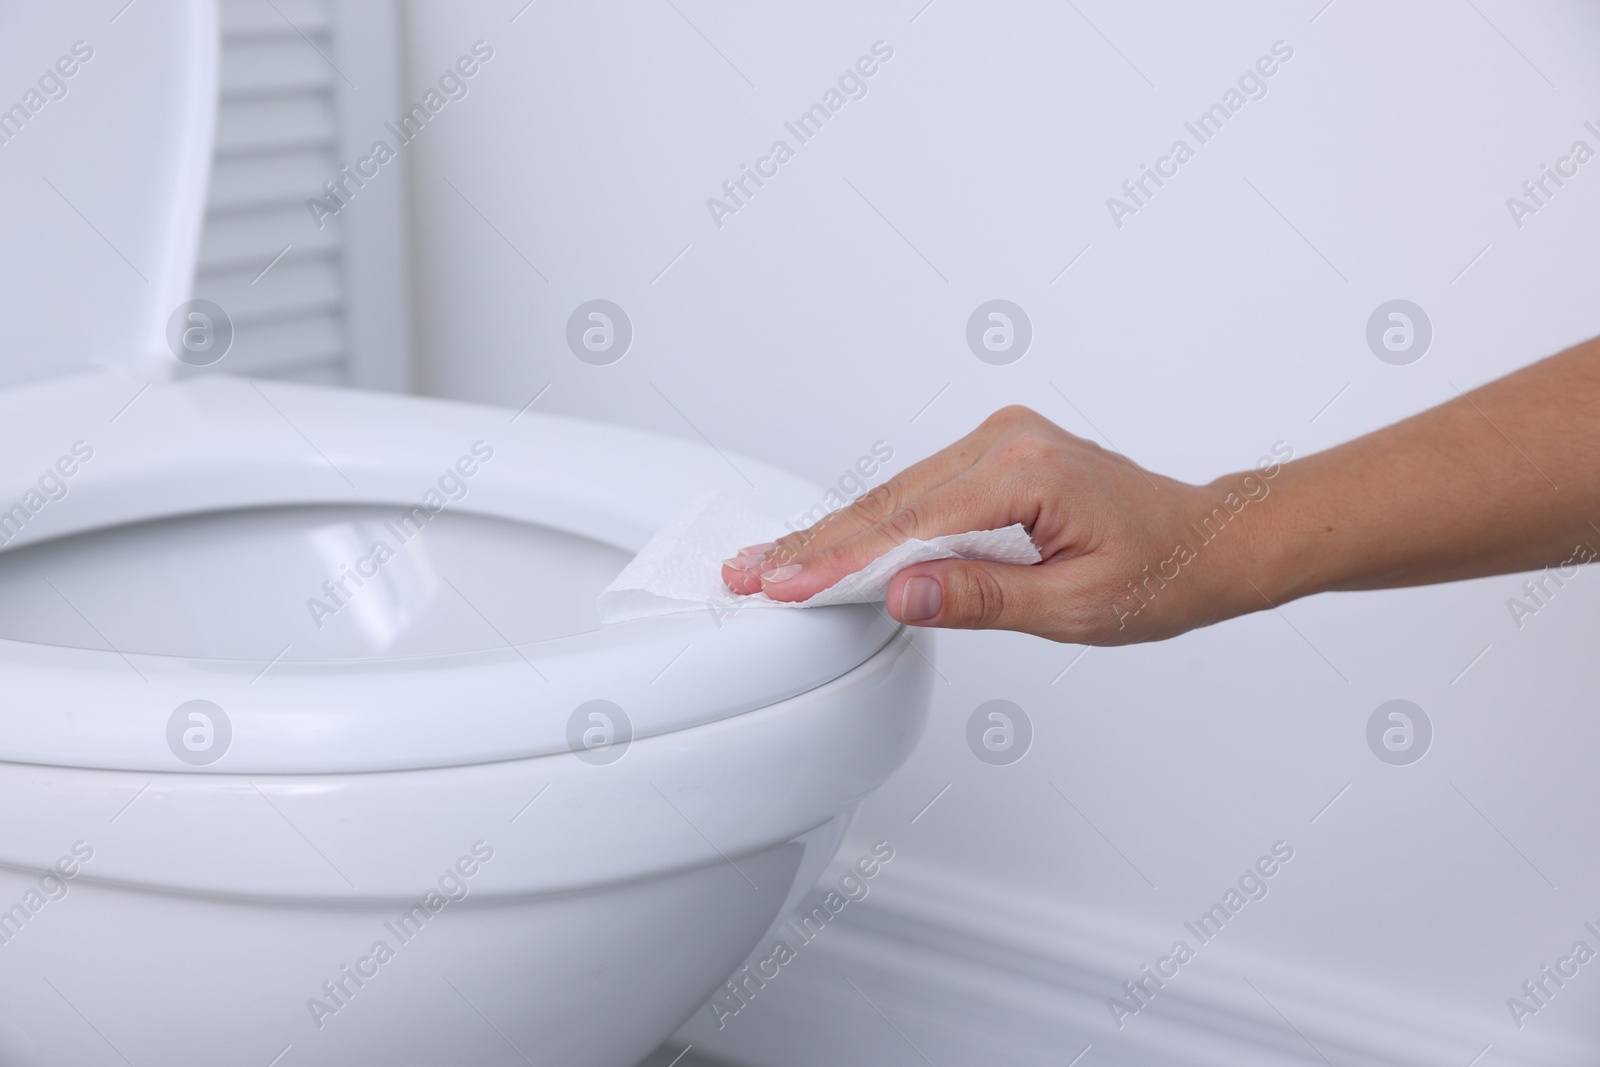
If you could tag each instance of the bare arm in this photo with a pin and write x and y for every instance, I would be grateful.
(1505, 478)
(1502, 479)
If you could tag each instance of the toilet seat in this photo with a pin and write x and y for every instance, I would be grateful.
(212, 444)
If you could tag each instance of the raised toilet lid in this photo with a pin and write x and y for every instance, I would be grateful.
(213, 547)
(107, 127)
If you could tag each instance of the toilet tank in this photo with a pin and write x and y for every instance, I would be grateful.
(107, 115)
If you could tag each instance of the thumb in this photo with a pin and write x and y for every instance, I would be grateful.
(967, 594)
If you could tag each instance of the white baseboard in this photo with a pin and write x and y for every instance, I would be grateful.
(927, 973)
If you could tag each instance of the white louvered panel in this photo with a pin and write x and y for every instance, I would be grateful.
(259, 64)
(287, 122)
(297, 347)
(299, 286)
(245, 239)
(277, 142)
(240, 181)
(240, 17)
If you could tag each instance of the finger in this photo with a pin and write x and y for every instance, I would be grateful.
(956, 507)
(742, 573)
(884, 500)
(972, 595)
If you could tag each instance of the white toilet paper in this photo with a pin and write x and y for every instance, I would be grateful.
(681, 568)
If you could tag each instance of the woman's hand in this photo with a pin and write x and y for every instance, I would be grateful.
(1122, 560)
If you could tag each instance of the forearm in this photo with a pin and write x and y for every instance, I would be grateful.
(1505, 478)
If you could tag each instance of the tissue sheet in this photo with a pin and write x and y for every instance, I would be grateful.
(681, 568)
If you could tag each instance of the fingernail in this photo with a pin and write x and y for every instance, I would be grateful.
(920, 599)
(757, 550)
(744, 563)
(781, 574)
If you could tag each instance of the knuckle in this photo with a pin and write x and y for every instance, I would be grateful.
(877, 502)
(1013, 415)
(1030, 449)
(982, 598)
(902, 523)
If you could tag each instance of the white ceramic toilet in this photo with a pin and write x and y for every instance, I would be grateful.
(303, 746)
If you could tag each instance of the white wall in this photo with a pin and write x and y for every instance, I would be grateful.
(831, 310)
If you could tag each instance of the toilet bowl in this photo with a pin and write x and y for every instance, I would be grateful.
(313, 750)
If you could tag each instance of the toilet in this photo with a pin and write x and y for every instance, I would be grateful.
(313, 749)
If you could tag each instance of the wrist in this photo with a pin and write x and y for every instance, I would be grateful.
(1300, 538)
(1259, 561)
